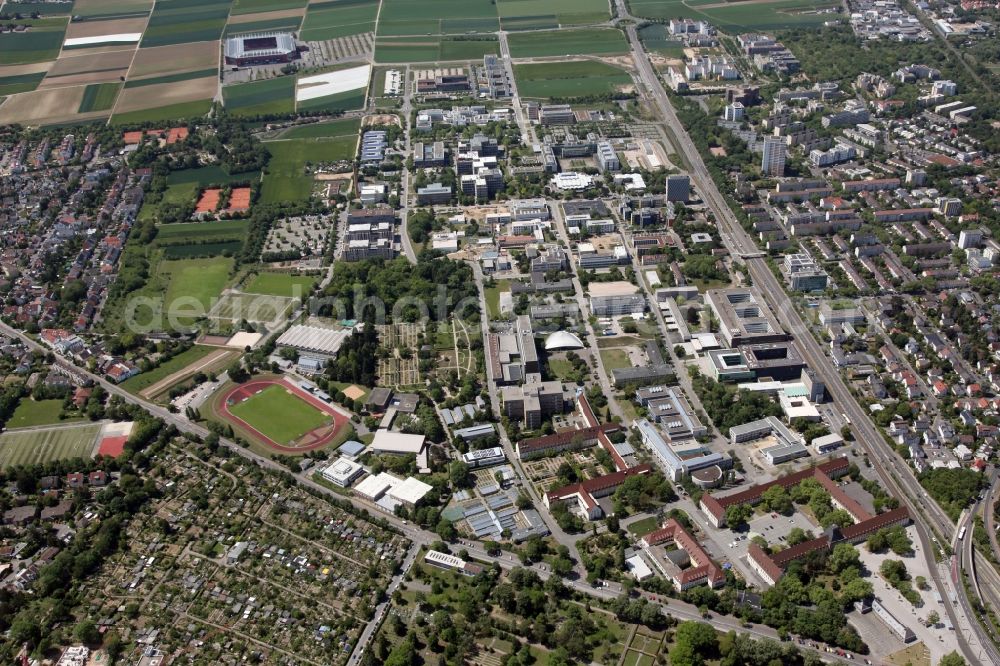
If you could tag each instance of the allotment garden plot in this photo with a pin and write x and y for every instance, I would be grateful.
(401, 367)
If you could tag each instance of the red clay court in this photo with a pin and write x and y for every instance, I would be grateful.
(310, 441)
(208, 201)
(112, 447)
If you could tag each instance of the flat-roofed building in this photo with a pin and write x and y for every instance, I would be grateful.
(342, 472)
(313, 340)
(484, 457)
(674, 464)
(586, 493)
(744, 317)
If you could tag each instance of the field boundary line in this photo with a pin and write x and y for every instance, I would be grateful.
(121, 91)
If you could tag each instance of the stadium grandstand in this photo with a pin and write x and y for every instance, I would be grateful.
(260, 48)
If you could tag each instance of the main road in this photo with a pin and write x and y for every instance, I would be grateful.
(894, 473)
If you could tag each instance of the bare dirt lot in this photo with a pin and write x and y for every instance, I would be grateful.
(101, 28)
(173, 59)
(71, 63)
(164, 94)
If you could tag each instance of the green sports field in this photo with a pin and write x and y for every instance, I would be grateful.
(30, 447)
(568, 79)
(582, 41)
(280, 284)
(279, 414)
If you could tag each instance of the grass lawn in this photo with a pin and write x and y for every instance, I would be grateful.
(643, 527)
(493, 297)
(198, 279)
(146, 379)
(286, 179)
(280, 284)
(280, 414)
(614, 359)
(39, 446)
(31, 412)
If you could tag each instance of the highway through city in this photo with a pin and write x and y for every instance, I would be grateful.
(896, 475)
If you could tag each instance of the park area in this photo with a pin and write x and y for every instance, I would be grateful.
(29, 447)
(280, 416)
(574, 78)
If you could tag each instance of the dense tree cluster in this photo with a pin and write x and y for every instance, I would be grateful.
(729, 406)
(953, 489)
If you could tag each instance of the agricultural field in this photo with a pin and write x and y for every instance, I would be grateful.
(275, 95)
(99, 97)
(31, 413)
(582, 41)
(74, 68)
(29, 447)
(279, 414)
(272, 21)
(433, 49)
(87, 35)
(736, 17)
(280, 284)
(437, 17)
(175, 59)
(45, 9)
(286, 178)
(104, 9)
(656, 39)
(569, 79)
(538, 14)
(172, 100)
(340, 89)
(258, 6)
(182, 21)
(46, 107)
(41, 42)
(340, 18)
(18, 83)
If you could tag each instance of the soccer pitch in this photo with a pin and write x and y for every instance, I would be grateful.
(279, 414)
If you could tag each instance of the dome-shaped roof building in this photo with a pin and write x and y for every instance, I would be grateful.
(562, 340)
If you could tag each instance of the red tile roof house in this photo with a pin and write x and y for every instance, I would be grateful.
(586, 493)
(704, 569)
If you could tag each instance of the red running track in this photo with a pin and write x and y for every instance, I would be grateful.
(315, 439)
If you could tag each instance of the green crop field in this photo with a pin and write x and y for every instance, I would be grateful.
(259, 97)
(174, 112)
(433, 49)
(286, 179)
(99, 97)
(210, 175)
(656, 38)
(737, 16)
(171, 78)
(287, 23)
(10, 85)
(190, 250)
(436, 17)
(280, 284)
(582, 41)
(40, 446)
(31, 412)
(39, 43)
(327, 130)
(254, 6)
(518, 14)
(345, 101)
(183, 21)
(201, 232)
(341, 18)
(280, 414)
(198, 279)
(568, 79)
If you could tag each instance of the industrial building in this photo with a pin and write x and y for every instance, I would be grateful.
(313, 340)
